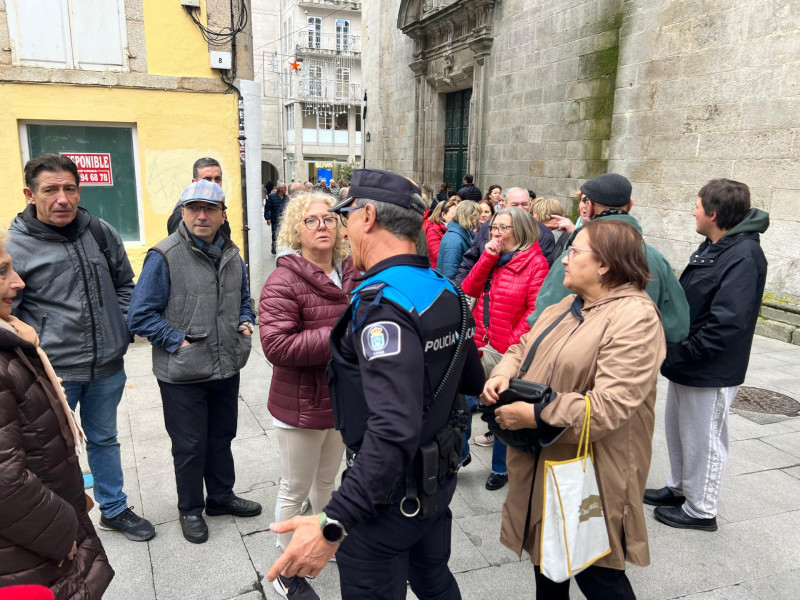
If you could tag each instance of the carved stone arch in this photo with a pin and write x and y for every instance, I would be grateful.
(410, 11)
(452, 39)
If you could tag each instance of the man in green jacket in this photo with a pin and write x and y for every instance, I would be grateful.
(608, 196)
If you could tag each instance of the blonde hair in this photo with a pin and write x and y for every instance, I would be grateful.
(294, 211)
(544, 209)
(440, 210)
(468, 215)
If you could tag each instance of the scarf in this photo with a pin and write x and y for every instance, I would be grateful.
(27, 333)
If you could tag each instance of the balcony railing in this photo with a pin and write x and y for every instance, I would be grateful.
(312, 42)
(326, 137)
(329, 90)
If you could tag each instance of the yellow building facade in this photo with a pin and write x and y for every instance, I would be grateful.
(152, 116)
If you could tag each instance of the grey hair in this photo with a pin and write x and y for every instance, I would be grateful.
(402, 222)
(525, 229)
(202, 163)
(517, 190)
(280, 184)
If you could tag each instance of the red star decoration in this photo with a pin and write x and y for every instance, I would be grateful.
(295, 65)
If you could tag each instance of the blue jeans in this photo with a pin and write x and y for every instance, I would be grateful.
(98, 401)
(499, 458)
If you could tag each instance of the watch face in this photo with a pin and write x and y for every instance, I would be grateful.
(333, 532)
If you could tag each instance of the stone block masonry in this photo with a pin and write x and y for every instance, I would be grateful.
(670, 93)
(707, 90)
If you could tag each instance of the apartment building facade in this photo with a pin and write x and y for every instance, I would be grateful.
(308, 58)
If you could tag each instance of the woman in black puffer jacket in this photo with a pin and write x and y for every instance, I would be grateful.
(46, 536)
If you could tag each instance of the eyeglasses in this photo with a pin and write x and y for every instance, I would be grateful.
(343, 213)
(314, 223)
(572, 249)
(210, 210)
(500, 228)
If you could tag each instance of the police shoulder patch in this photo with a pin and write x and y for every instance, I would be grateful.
(381, 339)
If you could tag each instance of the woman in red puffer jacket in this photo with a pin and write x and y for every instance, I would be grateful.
(509, 274)
(515, 268)
(301, 301)
(436, 226)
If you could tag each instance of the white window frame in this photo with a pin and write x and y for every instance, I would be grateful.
(342, 83)
(325, 120)
(314, 25)
(343, 38)
(26, 156)
(70, 38)
(315, 81)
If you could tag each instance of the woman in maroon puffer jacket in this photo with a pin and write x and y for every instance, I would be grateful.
(46, 536)
(301, 301)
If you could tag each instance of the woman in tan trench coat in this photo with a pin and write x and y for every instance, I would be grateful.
(612, 353)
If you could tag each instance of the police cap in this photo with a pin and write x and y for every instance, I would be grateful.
(384, 186)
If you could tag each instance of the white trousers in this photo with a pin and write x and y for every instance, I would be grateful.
(310, 460)
(697, 440)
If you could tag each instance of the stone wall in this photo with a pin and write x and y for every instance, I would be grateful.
(669, 93)
(550, 97)
(710, 89)
(389, 84)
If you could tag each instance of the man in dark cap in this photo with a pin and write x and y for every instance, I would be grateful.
(400, 355)
(608, 196)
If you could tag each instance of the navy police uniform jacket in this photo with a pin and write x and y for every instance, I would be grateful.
(390, 350)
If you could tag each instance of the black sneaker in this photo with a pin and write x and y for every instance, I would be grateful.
(294, 588)
(132, 525)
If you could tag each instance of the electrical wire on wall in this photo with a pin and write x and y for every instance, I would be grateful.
(224, 36)
(221, 38)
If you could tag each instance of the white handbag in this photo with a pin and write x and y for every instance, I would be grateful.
(574, 533)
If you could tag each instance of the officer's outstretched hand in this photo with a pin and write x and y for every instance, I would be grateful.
(494, 386)
(307, 553)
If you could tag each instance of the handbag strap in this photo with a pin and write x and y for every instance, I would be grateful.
(575, 308)
(486, 286)
(583, 444)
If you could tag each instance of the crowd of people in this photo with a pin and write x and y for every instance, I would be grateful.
(388, 320)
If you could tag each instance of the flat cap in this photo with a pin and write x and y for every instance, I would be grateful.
(203, 191)
(609, 189)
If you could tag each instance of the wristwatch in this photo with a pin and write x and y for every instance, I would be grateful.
(332, 530)
(249, 326)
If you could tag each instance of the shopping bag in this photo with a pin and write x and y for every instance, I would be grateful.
(574, 533)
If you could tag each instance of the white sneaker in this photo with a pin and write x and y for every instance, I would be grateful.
(487, 439)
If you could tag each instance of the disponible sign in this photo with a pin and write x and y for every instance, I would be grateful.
(93, 168)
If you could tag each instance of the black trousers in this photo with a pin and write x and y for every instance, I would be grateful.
(596, 583)
(378, 558)
(201, 421)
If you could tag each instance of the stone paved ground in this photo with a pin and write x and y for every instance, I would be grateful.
(755, 554)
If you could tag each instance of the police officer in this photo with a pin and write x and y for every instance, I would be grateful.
(401, 354)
